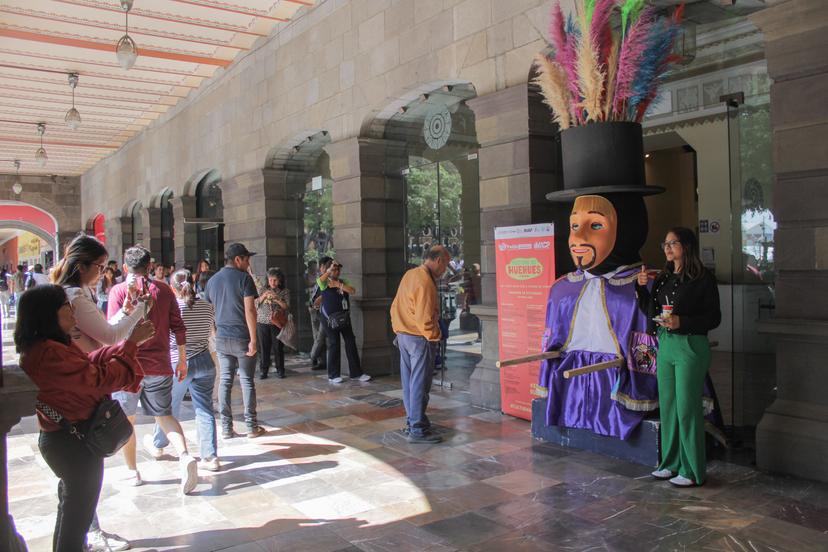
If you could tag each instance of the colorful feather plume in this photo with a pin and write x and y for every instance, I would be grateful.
(552, 81)
(595, 74)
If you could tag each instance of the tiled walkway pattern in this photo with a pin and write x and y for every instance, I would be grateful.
(334, 474)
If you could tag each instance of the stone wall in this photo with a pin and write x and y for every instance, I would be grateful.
(792, 436)
(333, 68)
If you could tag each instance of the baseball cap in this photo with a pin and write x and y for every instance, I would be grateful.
(237, 250)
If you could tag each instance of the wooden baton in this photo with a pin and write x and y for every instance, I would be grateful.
(528, 358)
(593, 368)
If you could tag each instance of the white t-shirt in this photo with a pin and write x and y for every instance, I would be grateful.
(40, 279)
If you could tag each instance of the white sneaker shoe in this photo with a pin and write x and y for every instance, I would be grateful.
(681, 481)
(335, 380)
(210, 464)
(189, 473)
(365, 377)
(149, 446)
(101, 541)
(663, 474)
(133, 478)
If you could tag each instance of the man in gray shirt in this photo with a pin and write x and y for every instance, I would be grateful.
(232, 292)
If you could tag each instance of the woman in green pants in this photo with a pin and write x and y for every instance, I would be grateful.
(684, 303)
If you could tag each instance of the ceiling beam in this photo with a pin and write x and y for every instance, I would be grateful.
(113, 65)
(107, 47)
(112, 27)
(81, 95)
(172, 18)
(13, 140)
(233, 9)
(99, 76)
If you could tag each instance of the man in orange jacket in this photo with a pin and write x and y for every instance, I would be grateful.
(414, 318)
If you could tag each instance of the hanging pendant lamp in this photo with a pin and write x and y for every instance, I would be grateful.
(17, 187)
(126, 50)
(40, 154)
(73, 118)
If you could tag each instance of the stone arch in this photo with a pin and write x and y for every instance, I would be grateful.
(191, 230)
(288, 180)
(19, 215)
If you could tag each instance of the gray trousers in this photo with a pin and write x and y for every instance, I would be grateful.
(232, 356)
(318, 349)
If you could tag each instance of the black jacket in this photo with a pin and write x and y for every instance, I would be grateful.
(695, 302)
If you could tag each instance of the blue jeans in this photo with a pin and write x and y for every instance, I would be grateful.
(232, 356)
(416, 370)
(201, 375)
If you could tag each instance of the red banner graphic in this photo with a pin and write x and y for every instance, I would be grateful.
(525, 257)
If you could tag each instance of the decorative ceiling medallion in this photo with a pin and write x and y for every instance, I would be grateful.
(437, 127)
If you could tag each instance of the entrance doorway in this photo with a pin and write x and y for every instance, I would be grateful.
(442, 207)
(718, 176)
(210, 225)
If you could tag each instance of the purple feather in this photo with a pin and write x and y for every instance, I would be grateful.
(565, 42)
(632, 51)
(600, 30)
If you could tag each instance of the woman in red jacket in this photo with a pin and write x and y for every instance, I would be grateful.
(73, 383)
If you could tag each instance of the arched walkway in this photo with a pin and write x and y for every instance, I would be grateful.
(22, 216)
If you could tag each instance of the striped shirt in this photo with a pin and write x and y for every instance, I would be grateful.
(199, 321)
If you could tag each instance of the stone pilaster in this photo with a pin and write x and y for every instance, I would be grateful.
(368, 234)
(792, 436)
(186, 234)
(152, 233)
(518, 160)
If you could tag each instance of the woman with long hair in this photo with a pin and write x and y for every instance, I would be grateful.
(202, 267)
(273, 297)
(684, 303)
(73, 383)
(104, 285)
(199, 319)
(78, 273)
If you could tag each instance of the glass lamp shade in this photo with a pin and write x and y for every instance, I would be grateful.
(127, 52)
(41, 157)
(16, 187)
(73, 119)
(126, 5)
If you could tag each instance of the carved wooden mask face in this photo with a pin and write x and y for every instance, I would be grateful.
(593, 224)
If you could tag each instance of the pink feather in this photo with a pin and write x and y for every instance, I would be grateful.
(565, 54)
(630, 57)
(600, 29)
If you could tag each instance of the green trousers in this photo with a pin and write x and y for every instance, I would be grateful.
(683, 361)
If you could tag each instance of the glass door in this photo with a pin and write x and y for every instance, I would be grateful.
(753, 274)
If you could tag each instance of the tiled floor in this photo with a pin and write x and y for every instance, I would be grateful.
(333, 474)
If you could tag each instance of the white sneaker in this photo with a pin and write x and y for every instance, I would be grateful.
(681, 481)
(133, 478)
(663, 474)
(210, 464)
(189, 473)
(101, 541)
(365, 377)
(149, 446)
(335, 380)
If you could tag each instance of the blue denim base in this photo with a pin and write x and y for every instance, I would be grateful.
(416, 371)
(201, 375)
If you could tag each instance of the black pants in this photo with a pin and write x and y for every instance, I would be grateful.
(267, 335)
(81, 475)
(332, 343)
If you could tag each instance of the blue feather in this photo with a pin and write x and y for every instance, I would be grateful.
(653, 64)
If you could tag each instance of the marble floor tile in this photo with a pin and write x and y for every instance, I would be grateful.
(334, 473)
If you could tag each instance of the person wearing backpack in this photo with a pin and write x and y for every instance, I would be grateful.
(334, 299)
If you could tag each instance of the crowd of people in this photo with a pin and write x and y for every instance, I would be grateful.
(147, 334)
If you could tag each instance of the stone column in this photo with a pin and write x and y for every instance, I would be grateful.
(792, 436)
(118, 237)
(186, 234)
(518, 160)
(368, 236)
(263, 210)
(152, 232)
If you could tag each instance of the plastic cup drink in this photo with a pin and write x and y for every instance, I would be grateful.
(666, 311)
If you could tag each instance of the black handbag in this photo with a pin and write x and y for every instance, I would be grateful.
(103, 434)
(339, 320)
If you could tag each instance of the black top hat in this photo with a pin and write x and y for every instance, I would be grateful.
(603, 158)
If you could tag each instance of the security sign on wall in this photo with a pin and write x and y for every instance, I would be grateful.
(437, 127)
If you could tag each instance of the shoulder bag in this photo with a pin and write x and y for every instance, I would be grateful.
(103, 434)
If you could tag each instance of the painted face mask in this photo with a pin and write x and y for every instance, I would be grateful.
(593, 225)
